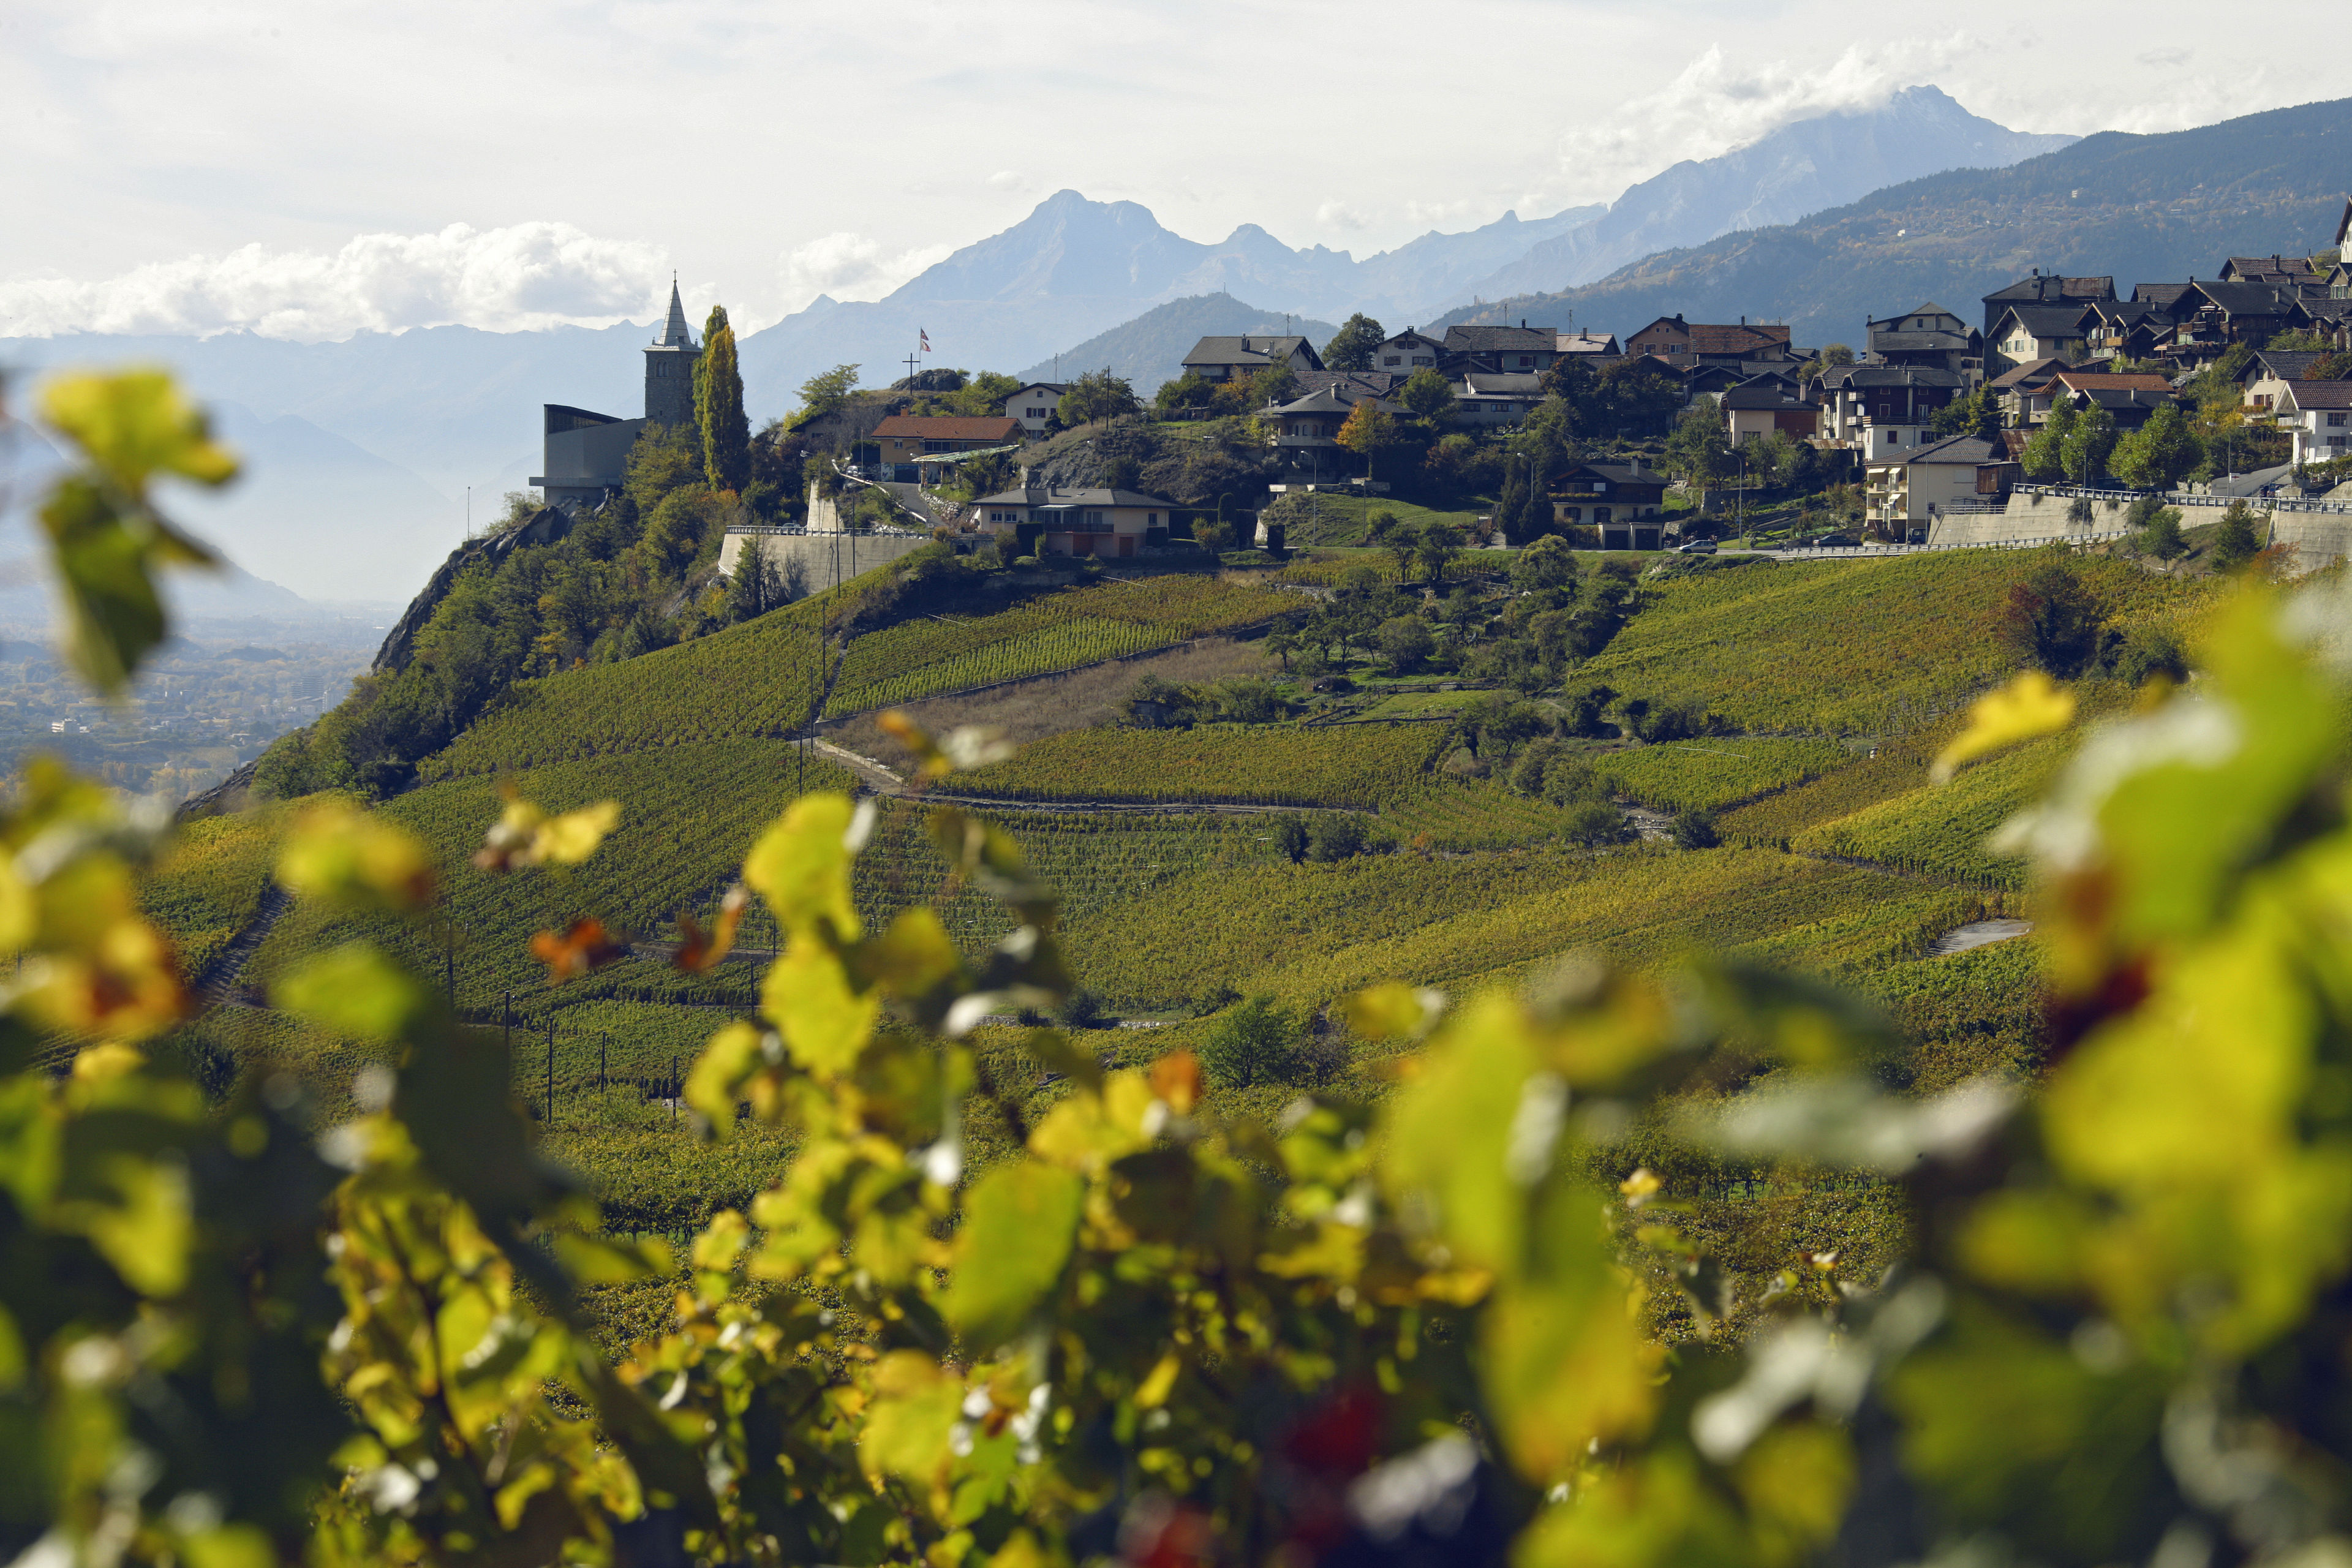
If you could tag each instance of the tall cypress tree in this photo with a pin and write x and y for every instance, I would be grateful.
(712, 325)
(719, 408)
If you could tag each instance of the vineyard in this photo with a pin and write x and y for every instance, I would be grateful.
(1473, 814)
(1312, 932)
(1361, 765)
(688, 813)
(927, 657)
(1942, 831)
(209, 883)
(1709, 773)
(758, 679)
(1843, 648)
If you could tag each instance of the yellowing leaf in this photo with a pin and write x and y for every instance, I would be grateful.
(1392, 1011)
(343, 855)
(801, 866)
(914, 1411)
(912, 956)
(525, 835)
(2027, 708)
(806, 995)
(1018, 1225)
(355, 990)
(732, 1056)
(133, 425)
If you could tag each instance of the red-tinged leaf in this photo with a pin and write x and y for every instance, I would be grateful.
(571, 952)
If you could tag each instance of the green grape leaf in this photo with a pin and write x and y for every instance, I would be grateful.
(1019, 1222)
(801, 866)
(807, 996)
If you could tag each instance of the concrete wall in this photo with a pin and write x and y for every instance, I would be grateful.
(2316, 539)
(815, 551)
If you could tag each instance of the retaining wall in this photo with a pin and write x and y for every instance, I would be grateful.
(815, 551)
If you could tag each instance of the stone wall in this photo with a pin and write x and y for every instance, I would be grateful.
(2317, 539)
(815, 551)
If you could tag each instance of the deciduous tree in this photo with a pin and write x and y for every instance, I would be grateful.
(1351, 347)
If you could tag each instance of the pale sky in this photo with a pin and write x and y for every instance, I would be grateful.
(310, 170)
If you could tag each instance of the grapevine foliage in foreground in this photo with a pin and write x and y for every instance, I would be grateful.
(1362, 1336)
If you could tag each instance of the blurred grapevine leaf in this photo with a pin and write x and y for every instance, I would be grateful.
(342, 854)
(2029, 707)
(525, 835)
(107, 538)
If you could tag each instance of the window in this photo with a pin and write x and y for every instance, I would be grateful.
(2334, 419)
(1391, 359)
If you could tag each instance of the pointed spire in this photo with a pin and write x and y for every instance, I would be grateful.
(674, 335)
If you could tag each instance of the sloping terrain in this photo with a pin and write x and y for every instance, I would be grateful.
(2158, 208)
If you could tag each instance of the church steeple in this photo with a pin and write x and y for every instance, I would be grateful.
(669, 368)
(673, 334)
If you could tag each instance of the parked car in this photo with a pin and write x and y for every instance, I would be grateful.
(1696, 547)
(1916, 536)
(1837, 542)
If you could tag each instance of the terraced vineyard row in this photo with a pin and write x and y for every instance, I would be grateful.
(1312, 932)
(209, 883)
(924, 657)
(1357, 765)
(1472, 814)
(689, 812)
(1942, 831)
(760, 678)
(1711, 772)
(1845, 648)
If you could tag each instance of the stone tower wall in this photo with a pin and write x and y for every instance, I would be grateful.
(669, 386)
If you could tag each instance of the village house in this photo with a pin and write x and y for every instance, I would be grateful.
(1929, 337)
(1407, 351)
(1596, 348)
(1034, 403)
(1917, 488)
(2023, 391)
(1312, 423)
(1500, 351)
(1877, 409)
(2289, 271)
(1485, 401)
(2024, 332)
(1098, 522)
(2268, 373)
(2225, 313)
(2044, 289)
(1764, 406)
(1229, 358)
(2126, 329)
(905, 440)
(2129, 398)
(1684, 344)
(1624, 500)
(2320, 414)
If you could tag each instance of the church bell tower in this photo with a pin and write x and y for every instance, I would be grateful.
(670, 369)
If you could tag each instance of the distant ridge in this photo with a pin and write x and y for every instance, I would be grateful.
(1151, 348)
(2157, 208)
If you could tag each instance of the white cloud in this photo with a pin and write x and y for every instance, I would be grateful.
(524, 277)
(1717, 103)
(1340, 214)
(850, 266)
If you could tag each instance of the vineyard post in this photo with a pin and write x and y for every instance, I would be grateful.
(551, 1071)
(675, 1089)
(508, 1021)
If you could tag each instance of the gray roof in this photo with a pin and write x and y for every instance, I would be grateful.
(1334, 400)
(674, 333)
(1044, 496)
(2045, 320)
(2287, 365)
(1763, 392)
(1502, 339)
(1245, 349)
(2050, 288)
(1865, 375)
(1517, 383)
(2321, 393)
(1960, 449)
(1918, 343)
(2033, 372)
(2249, 299)
(1362, 383)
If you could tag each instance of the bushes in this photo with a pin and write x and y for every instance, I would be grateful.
(1256, 1042)
(2052, 619)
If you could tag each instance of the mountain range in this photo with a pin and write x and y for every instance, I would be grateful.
(2153, 209)
(372, 442)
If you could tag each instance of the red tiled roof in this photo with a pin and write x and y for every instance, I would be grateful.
(951, 427)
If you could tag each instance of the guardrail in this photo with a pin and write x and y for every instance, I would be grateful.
(2180, 498)
(1859, 551)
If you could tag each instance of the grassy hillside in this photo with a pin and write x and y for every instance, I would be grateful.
(2155, 208)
